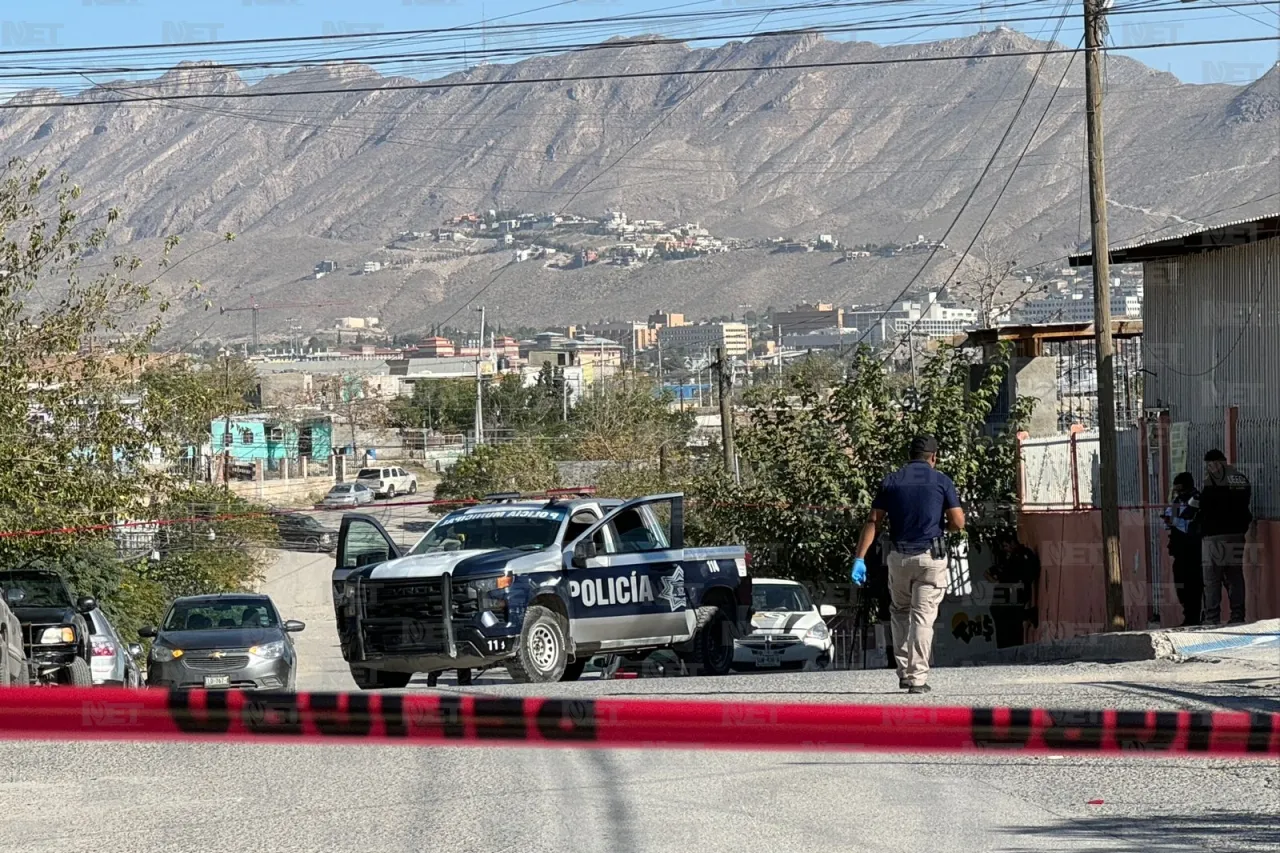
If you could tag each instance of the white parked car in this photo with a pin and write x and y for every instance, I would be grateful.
(348, 494)
(388, 482)
(788, 631)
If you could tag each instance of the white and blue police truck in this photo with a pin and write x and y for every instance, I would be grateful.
(538, 586)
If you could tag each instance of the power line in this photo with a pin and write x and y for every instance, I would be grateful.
(968, 199)
(220, 68)
(628, 75)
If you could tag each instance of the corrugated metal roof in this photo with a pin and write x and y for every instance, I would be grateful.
(1237, 233)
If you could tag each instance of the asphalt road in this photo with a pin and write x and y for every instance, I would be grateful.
(178, 797)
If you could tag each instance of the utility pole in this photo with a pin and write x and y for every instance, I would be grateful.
(1094, 32)
(226, 427)
(726, 411)
(479, 426)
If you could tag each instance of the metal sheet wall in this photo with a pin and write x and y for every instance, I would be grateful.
(1211, 340)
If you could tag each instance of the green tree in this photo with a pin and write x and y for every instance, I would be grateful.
(813, 465)
(182, 397)
(517, 466)
(76, 451)
(629, 419)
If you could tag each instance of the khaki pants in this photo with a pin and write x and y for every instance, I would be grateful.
(916, 586)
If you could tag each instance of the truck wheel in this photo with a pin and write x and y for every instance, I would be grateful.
(413, 487)
(712, 652)
(573, 671)
(78, 674)
(464, 678)
(542, 653)
(377, 679)
(6, 679)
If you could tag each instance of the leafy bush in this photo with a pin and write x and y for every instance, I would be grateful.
(813, 466)
(517, 466)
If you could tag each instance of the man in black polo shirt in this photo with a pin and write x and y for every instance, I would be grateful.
(916, 499)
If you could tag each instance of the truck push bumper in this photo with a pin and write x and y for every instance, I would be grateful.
(423, 625)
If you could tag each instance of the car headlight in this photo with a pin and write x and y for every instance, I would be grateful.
(58, 634)
(268, 651)
(818, 632)
(161, 653)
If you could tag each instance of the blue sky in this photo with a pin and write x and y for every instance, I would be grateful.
(33, 24)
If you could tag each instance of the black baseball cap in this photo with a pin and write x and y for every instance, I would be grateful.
(923, 444)
(1185, 479)
(1215, 455)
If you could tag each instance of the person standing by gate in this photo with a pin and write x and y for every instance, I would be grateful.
(917, 500)
(1224, 518)
(1184, 547)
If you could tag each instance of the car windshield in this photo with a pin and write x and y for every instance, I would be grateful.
(228, 613)
(369, 474)
(786, 597)
(526, 529)
(340, 490)
(41, 589)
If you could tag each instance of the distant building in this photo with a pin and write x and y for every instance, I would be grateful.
(808, 318)
(357, 322)
(371, 267)
(931, 318)
(661, 319)
(325, 267)
(436, 348)
(735, 338)
(1076, 306)
(632, 336)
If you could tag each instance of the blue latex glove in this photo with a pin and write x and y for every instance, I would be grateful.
(859, 573)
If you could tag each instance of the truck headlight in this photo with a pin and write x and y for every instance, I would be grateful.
(486, 592)
(57, 634)
(818, 632)
(268, 651)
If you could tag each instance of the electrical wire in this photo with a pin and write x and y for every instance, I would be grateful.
(622, 75)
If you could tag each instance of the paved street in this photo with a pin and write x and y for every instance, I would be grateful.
(176, 797)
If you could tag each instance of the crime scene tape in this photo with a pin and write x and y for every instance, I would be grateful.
(471, 720)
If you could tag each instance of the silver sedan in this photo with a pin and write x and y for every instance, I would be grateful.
(348, 494)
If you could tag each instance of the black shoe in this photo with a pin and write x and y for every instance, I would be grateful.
(917, 689)
(903, 685)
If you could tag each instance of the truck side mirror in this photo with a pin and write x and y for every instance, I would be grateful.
(147, 631)
(826, 611)
(583, 551)
(86, 604)
(14, 595)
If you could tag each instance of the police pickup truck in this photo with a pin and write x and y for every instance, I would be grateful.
(538, 586)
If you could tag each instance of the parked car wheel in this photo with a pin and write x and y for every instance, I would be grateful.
(413, 487)
(311, 543)
(391, 491)
(78, 674)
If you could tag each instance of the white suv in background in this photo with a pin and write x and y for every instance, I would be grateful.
(388, 482)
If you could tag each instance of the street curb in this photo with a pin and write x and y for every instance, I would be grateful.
(1138, 645)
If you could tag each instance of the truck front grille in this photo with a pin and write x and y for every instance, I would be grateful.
(403, 617)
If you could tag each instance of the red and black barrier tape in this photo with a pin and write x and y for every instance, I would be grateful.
(460, 720)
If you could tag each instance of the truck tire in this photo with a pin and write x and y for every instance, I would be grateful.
(464, 678)
(712, 652)
(377, 679)
(573, 671)
(6, 678)
(543, 651)
(78, 674)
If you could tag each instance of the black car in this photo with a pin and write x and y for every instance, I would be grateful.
(54, 632)
(304, 533)
(233, 641)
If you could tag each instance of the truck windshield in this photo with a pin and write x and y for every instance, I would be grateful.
(526, 529)
(42, 589)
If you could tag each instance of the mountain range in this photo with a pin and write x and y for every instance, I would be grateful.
(874, 144)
